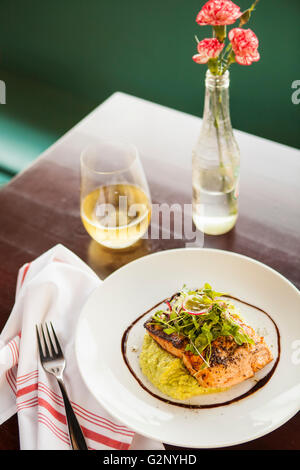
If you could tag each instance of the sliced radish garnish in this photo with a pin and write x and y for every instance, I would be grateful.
(193, 306)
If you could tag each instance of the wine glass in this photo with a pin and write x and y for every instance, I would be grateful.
(115, 199)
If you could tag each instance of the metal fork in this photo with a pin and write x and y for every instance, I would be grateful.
(53, 361)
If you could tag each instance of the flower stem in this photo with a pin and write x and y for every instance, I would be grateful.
(247, 14)
(219, 32)
(216, 124)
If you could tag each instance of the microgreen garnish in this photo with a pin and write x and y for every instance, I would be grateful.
(200, 315)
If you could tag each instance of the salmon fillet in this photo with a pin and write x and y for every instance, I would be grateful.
(230, 363)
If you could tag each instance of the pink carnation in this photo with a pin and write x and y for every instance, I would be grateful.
(218, 12)
(244, 44)
(207, 49)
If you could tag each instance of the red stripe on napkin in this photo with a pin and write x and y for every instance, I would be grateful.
(56, 414)
(29, 377)
(58, 432)
(10, 381)
(27, 389)
(27, 404)
(104, 440)
(27, 266)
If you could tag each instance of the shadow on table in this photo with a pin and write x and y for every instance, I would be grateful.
(105, 261)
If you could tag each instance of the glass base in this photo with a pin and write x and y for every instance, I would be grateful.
(215, 225)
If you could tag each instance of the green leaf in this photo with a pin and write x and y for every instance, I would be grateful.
(169, 331)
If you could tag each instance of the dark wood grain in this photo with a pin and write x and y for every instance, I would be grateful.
(40, 208)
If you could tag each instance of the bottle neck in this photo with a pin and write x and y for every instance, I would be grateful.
(216, 104)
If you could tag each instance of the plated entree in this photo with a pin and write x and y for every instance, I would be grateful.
(198, 343)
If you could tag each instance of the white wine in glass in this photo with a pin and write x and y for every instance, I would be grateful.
(115, 199)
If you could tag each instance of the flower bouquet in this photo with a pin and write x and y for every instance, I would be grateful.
(216, 156)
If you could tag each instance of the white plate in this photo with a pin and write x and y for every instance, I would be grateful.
(138, 286)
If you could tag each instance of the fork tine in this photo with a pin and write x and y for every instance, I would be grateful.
(47, 352)
(52, 348)
(59, 350)
(39, 343)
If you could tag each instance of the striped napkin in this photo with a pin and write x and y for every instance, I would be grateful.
(54, 288)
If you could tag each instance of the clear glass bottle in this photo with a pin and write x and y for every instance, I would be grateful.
(216, 162)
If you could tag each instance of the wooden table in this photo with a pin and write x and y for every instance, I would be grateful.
(40, 208)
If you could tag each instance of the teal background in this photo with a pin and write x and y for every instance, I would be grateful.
(60, 59)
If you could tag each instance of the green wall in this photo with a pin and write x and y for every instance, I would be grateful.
(92, 48)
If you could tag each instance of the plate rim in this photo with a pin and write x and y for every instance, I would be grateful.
(257, 435)
(239, 255)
